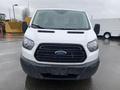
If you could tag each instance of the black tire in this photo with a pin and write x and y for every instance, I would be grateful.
(107, 35)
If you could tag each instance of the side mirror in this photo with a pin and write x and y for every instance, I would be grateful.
(97, 28)
(24, 26)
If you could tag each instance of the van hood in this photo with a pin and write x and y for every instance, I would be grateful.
(60, 36)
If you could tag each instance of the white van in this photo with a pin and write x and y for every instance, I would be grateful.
(109, 27)
(60, 45)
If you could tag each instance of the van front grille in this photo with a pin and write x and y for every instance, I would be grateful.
(61, 53)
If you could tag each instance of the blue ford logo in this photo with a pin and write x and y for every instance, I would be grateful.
(60, 52)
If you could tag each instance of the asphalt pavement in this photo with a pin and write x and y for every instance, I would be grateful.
(13, 78)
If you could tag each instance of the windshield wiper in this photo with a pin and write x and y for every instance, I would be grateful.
(72, 28)
(37, 26)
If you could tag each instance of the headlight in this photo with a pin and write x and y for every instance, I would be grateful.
(92, 46)
(28, 43)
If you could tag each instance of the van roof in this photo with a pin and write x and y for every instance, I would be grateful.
(60, 9)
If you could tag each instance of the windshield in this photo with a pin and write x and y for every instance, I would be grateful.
(2, 16)
(61, 19)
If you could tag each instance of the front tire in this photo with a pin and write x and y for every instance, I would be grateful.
(107, 35)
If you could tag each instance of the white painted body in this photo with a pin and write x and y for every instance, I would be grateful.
(60, 36)
(108, 25)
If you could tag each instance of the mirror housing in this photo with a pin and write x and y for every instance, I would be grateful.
(97, 28)
(24, 26)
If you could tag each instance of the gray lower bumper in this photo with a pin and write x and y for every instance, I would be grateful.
(60, 72)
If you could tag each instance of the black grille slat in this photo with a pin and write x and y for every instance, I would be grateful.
(49, 57)
(61, 57)
(46, 53)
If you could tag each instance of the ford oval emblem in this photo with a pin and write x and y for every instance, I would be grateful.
(60, 52)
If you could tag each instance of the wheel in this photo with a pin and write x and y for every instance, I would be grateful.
(107, 35)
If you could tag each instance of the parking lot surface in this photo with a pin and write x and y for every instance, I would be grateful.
(13, 78)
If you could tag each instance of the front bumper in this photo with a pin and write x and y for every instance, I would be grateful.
(59, 72)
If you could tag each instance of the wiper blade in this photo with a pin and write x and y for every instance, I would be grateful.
(74, 28)
(68, 28)
(37, 26)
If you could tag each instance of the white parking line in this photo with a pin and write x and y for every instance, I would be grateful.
(7, 53)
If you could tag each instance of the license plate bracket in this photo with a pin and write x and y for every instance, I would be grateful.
(59, 71)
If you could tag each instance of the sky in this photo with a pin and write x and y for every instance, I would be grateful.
(95, 8)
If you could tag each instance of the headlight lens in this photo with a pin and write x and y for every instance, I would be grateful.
(28, 43)
(92, 46)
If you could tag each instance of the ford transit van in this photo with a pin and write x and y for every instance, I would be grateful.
(60, 45)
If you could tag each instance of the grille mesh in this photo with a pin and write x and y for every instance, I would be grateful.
(46, 53)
